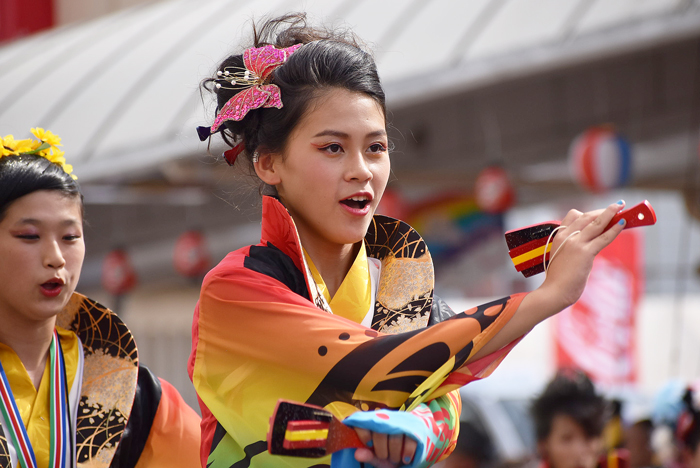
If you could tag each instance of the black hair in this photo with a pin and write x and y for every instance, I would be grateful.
(570, 393)
(23, 174)
(329, 59)
(473, 441)
(692, 440)
(690, 435)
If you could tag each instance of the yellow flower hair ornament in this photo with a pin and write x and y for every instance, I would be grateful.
(45, 146)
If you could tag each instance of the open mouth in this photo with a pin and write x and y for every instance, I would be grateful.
(51, 285)
(356, 203)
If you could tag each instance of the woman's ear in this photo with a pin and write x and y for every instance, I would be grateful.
(267, 168)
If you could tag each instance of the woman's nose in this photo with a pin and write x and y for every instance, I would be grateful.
(53, 256)
(358, 168)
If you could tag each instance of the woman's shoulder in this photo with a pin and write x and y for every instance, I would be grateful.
(262, 265)
(231, 263)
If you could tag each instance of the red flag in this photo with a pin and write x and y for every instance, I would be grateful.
(597, 334)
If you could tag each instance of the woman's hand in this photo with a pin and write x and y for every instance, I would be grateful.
(387, 451)
(569, 270)
(567, 274)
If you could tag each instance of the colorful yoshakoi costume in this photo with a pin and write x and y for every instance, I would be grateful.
(121, 414)
(263, 331)
(266, 329)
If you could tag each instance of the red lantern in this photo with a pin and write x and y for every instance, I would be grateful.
(493, 190)
(191, 256)
(118, 275)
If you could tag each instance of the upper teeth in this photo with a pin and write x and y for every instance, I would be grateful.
(363, 198)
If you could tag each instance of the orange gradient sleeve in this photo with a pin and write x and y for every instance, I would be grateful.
(175, 435)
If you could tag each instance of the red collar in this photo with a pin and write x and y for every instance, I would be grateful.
(278, 229)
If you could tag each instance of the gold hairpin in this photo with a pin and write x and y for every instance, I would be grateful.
(237, 77)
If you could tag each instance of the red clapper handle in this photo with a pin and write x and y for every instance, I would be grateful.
(309, 431)
(526, 245)
(639, 215)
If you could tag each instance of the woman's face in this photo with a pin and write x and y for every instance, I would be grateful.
(42, 251)
(334, 168)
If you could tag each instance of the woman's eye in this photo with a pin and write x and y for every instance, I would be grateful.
(333, 148)
(377, 148)
(27, 236)
(71, 237)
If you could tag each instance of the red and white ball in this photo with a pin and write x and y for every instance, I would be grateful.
(600, 159)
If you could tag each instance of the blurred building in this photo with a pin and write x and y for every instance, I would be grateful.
(19, 18)
(469, 84)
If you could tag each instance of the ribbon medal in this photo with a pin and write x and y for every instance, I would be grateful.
(59, 414)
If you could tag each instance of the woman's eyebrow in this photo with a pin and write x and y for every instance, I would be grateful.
(31, 221)
(335, 133)
(38, 222)
(339, 134)
(71, 222)
(377, 133)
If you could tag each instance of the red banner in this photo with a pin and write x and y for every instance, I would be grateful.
(597, 334)
(22, 17)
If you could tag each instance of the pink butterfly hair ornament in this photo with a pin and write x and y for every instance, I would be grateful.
(259, 63)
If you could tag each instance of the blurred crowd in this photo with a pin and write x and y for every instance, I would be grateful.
(571, 425)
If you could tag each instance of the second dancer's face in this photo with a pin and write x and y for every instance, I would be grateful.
(41, 252)
(335, 168)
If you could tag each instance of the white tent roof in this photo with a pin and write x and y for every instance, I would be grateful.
(122, 91)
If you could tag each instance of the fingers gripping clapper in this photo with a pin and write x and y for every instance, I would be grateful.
(529, 247)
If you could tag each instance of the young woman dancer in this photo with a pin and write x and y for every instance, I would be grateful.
(332, 307)
(71, 389)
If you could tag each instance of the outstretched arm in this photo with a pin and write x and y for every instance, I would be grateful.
(567, 274)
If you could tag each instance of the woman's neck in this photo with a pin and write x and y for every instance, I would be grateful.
(30, 341)
(332, 262)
